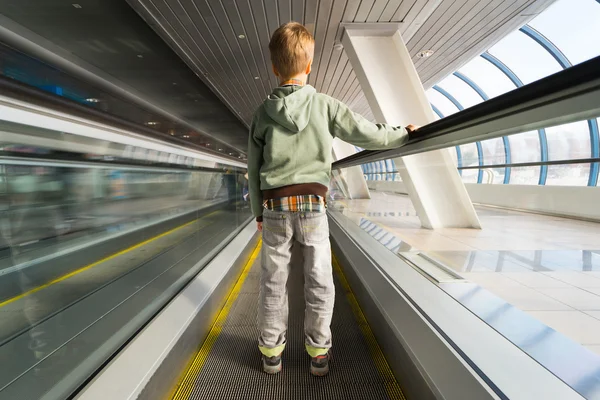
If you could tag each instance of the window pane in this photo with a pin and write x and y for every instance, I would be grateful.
(441, 102)
(452, 151)
(525, 57)
(525, 176)
(461, 91)
(469, 154)
(568, 175)
(572, 25)
(493, 151)
(488, 77)
(568, 142)
(493, 176)
(470, 175)
(525, 147)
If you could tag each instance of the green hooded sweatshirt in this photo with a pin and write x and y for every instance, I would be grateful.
(291, 139)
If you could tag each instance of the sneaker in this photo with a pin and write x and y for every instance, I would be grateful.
(271, 365)
(319, 365)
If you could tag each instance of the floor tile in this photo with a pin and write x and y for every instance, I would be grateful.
(575, 324)
(490, 279)
(574, 278)
(595, 314)
(595, 290)
(535, 279)
(527, 299)
(574, 297)
(502, 230)
(594, 347)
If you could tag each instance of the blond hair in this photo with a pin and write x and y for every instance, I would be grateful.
(292, 47)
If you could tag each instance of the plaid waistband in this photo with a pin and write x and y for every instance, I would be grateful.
(306, 203)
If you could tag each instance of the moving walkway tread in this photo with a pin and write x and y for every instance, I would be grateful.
(228, 365)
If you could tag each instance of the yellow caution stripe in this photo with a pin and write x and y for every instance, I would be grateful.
(391, 384)
(186, 384)
(82, 269)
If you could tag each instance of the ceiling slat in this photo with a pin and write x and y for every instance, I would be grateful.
(310, 14)
(201, 33)
(272, 13)
(462, 11)
(332, 83)
(363, 10)
(407, 8)
(376, 11)
(206, 34)
(242, 22)
(347, 85)
(212, 65)
(342, 80)
(238, 49)
(391, 8)
(285, 11)
(332, 73)
(322, 25)
(435, 75)
(298, 10)
(465, 40)
(327, 52)
(264, 35)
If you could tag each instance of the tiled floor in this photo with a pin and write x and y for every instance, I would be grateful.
(547, 266)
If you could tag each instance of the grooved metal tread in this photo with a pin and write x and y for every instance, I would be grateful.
(233, 370)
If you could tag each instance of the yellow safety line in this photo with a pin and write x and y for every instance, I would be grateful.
(186, 384)
(82, 269)
(391, 384)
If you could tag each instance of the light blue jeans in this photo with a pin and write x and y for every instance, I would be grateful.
(280, 231)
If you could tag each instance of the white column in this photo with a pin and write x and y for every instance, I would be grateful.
(394, 91)
(353, 178)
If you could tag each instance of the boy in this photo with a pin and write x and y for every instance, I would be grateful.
(289, 168)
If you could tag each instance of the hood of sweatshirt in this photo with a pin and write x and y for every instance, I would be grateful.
(290, 106)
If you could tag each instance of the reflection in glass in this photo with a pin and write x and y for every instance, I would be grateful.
(470, 157)
(71, 232)
(441, 102)
(493, 151)
(569, 142)
(525, 57)
(579, 23)
(488, 77)
(461, 91)
(568, 175)
(525, 175)
(525, 147)
(493, 176)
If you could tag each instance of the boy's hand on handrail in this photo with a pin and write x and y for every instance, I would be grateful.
(411, 128)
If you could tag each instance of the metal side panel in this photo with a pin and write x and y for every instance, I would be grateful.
(149, 366)
(407, 372)
(434, 345)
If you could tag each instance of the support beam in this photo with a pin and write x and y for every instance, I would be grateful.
(390, 82)
(352, 178)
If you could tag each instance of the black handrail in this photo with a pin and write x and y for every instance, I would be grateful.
(567, 96)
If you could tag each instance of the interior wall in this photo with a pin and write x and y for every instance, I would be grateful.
(569, 201)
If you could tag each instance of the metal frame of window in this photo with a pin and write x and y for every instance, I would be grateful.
(541, 132)
(460, 107)
(485, 97)
(564, 62)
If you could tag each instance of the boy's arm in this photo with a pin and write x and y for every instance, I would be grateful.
(255, 159)
(357, 130)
